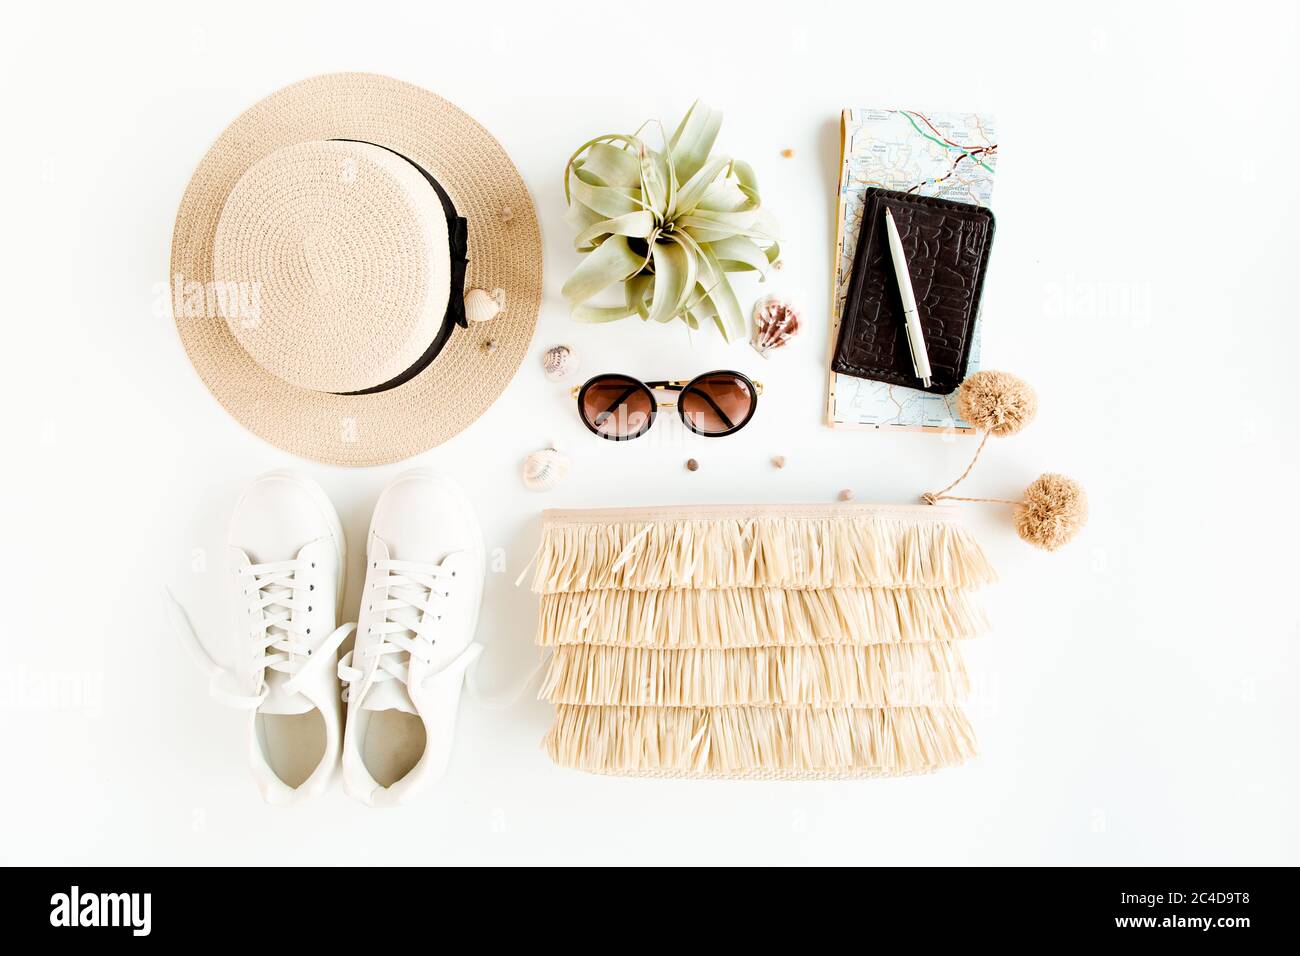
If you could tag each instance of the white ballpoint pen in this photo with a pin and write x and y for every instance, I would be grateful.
(911, 318)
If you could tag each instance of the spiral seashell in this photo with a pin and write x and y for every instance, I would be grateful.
(559, 361)
(482, 305)
(545, 469)
(776, 322)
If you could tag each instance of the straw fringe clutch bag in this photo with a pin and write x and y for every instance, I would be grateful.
(789, 641)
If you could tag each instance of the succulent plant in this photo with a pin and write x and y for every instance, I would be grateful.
(668, 224)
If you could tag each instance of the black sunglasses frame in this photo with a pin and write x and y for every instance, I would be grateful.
(673, 385)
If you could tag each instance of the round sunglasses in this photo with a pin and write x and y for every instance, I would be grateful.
(620, 407)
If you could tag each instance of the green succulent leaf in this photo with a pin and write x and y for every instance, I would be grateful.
(610, 262)
(655, 182)
(609, 201)
(737, 221)
(745, 176)
(581, 217)
(695, 188)
(601, 313)
(693, 140)
(728, 316)
(638, 290)
(724, 195)
(576, 161)
(705, 229)
(675, 272)
(737, 253)
(611, 165)
(637, 225)
(765, 225)
(701, 306)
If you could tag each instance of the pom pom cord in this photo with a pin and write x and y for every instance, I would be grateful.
(934, 497)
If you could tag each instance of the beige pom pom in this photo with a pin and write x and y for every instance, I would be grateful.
(1054, 509)
(997, 402)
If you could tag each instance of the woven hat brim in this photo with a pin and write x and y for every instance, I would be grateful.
(505, 251)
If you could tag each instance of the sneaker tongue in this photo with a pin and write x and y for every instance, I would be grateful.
(389, 695)
(280, 700)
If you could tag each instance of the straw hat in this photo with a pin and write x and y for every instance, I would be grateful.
(319, 275)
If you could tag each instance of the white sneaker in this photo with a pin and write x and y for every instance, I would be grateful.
(419, 609)
(286, 563)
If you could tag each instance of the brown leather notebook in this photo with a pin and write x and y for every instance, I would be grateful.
(947, 245)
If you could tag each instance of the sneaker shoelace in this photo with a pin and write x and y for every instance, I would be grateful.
(272, 592)
(407, 625)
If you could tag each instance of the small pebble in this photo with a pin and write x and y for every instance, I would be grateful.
(778, 265)
(778, 461)
(692, 464)
(846, 494)
(787, 153)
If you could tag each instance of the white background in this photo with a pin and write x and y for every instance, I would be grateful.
(1138, 696)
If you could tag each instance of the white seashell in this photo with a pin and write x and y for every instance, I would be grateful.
(776, 322)
(482, 305)
(559, 361)
(545, 469)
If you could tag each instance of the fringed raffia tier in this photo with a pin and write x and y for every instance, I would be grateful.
(759, 617)
(793, 641)
(881, 675)
(796, 546)
(802, 742)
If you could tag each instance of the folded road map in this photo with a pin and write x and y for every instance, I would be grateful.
(951, 155)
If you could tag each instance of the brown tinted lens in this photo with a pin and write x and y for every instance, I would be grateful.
(717, 403)
(615, 406)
